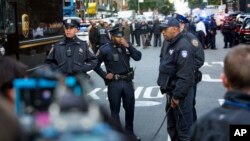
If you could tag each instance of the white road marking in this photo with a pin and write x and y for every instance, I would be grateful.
(207, 78)
(220, 63)
(148, 92)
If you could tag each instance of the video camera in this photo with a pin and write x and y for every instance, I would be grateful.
(36, 94)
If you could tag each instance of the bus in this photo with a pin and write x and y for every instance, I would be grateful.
(28, 28)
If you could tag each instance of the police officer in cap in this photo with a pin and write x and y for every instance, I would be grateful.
(71, 56)
(198, 51)
(119, 75)
(176, 79)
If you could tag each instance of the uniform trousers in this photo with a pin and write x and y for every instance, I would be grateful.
(122, 89)
(180, 119)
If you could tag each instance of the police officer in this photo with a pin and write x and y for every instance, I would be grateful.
(176, 79)
(216, 125)
(119, 75)
(71, 56)
(103, 34)
(198, 51)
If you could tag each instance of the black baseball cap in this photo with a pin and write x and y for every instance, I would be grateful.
(170, 22)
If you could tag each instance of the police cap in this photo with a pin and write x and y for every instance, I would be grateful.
(180, 18)
(170, 22)
(117, 31)
(71, 23)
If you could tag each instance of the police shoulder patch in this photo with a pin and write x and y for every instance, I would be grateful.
(184, 53)
(195, 42)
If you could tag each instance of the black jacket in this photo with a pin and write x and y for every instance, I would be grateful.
(177, 66)
(214, 126)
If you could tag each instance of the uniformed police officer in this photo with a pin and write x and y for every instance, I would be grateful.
(176, 79)
(119, 75)
(103, 33)
(198, 51)
(71, 56)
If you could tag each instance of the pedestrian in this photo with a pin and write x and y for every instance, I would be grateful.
(217, 124)
(126, 30)
(10, 70)
(11, 129)
(144, 32)
(198, 52)
(176, 79)
(157, 33)
(201, 32)
(71, 56)
(94, 36)
(213, 32)
(227, 29)
(119, 76)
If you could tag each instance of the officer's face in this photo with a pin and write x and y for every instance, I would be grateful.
(168, 33)
(117, 39)
(70, 32)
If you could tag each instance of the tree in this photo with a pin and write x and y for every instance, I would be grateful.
(167, 8)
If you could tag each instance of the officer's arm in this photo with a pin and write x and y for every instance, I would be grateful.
(185, 73)
(50, 60)
(134, 53)
(199, 56)
(98, 68)
(90, 62)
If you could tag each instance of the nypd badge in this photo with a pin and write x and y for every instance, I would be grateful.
(184, 53)
(195, 43)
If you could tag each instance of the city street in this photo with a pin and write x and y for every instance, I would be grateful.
(150, 103)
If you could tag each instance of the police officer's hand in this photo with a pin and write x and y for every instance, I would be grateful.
(109, 76)
(174, 103)
(124, 43)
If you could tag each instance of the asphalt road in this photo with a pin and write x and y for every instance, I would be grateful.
(150, 104)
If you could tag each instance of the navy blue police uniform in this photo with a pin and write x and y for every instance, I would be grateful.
(103, 35)
(71, 56)
(116, 59)
(198, 53)
(176, 79)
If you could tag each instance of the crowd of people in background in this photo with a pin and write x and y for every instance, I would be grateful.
(142, 32)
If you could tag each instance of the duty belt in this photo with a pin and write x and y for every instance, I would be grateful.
(122, 76)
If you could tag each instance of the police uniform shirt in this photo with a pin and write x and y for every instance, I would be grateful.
(116, 59)
(178, 64)
(71, 57)
(196, 47)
